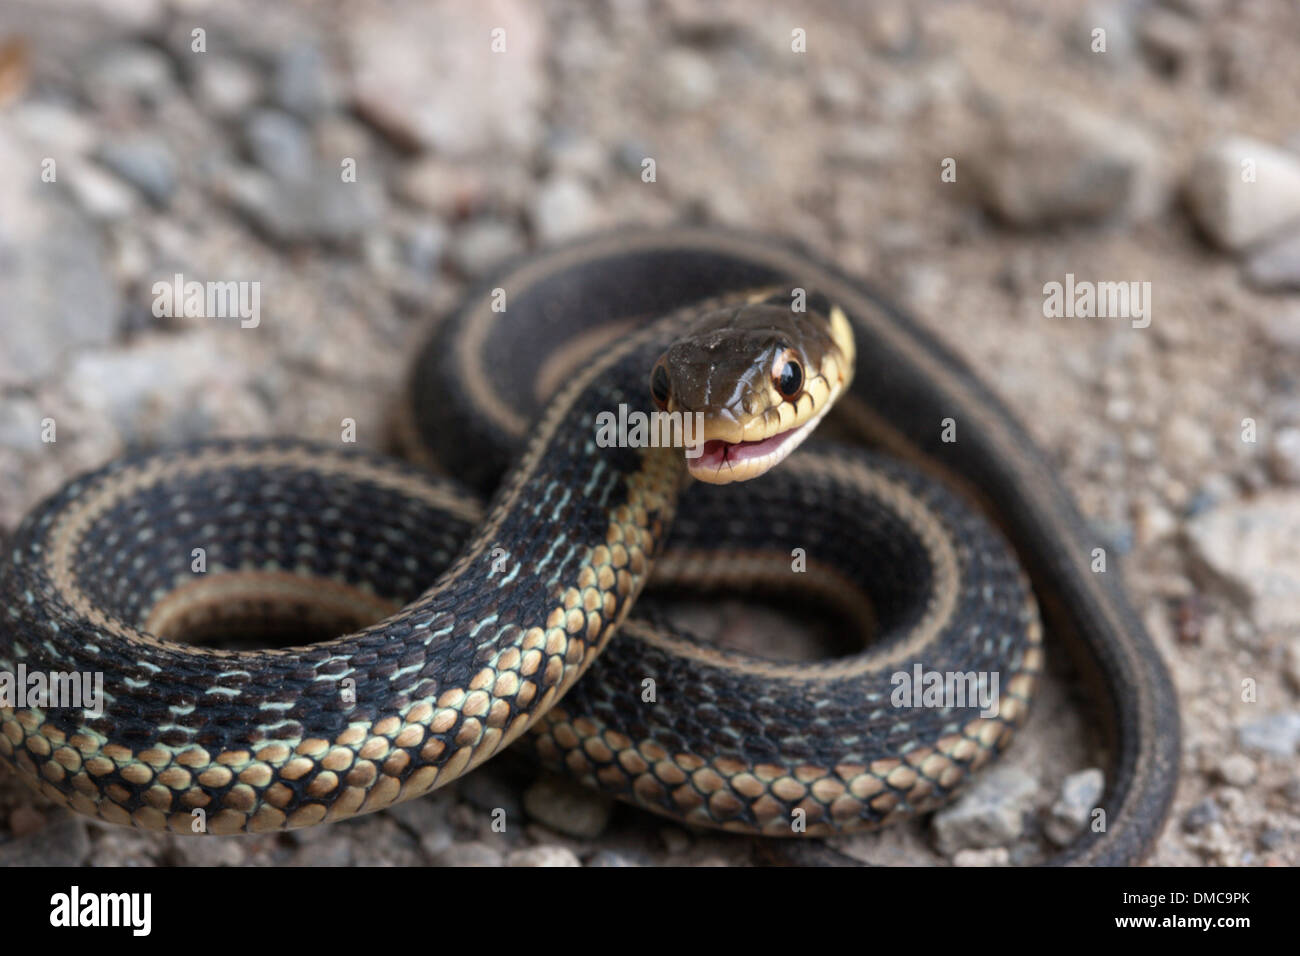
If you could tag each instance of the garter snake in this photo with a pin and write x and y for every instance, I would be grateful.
(470, 623)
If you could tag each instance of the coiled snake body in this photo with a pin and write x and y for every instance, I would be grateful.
(471, 624)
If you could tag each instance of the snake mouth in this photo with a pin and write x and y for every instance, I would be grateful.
(722, 462)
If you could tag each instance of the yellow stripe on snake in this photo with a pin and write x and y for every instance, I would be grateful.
(469, 624)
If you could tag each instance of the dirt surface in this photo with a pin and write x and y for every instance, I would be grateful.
(961, 155)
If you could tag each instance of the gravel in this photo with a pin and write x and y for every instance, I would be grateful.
(227, 165)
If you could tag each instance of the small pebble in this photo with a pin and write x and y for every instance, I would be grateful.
(146, 163)
(568, 807)
(1273, 839)
(484, 245)
(225, 87)
(992, 856)
(990, 814)
(279, 143)
(101, 195)
(564, 208)
(470, 854)
(131, 72)
(208, 850)
(1278, 734)
(543, 856)
(1237, 770)
(1080, 793)
(302, 82)
(1200, 816)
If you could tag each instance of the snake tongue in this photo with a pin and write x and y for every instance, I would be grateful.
(723, 461)
(718, 451)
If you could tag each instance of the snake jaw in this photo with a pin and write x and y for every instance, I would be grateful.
(722, 462)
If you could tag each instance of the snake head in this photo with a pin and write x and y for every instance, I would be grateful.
(756, 378)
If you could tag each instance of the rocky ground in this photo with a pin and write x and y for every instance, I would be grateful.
(961, 154)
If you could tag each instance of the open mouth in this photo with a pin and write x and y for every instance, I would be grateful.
(722, 462)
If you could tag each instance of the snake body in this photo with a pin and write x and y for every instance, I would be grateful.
(470, 624)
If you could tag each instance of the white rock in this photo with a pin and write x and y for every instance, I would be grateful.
(99, 193)
(484, 245)
(1237, 770)
(564, 208)
(689, 80)
(1243, 190)
(469, 854)
(543, 856)
(225, 87)
(994, 856)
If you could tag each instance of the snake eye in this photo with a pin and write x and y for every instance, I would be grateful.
(788, 376)
(659, 388)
